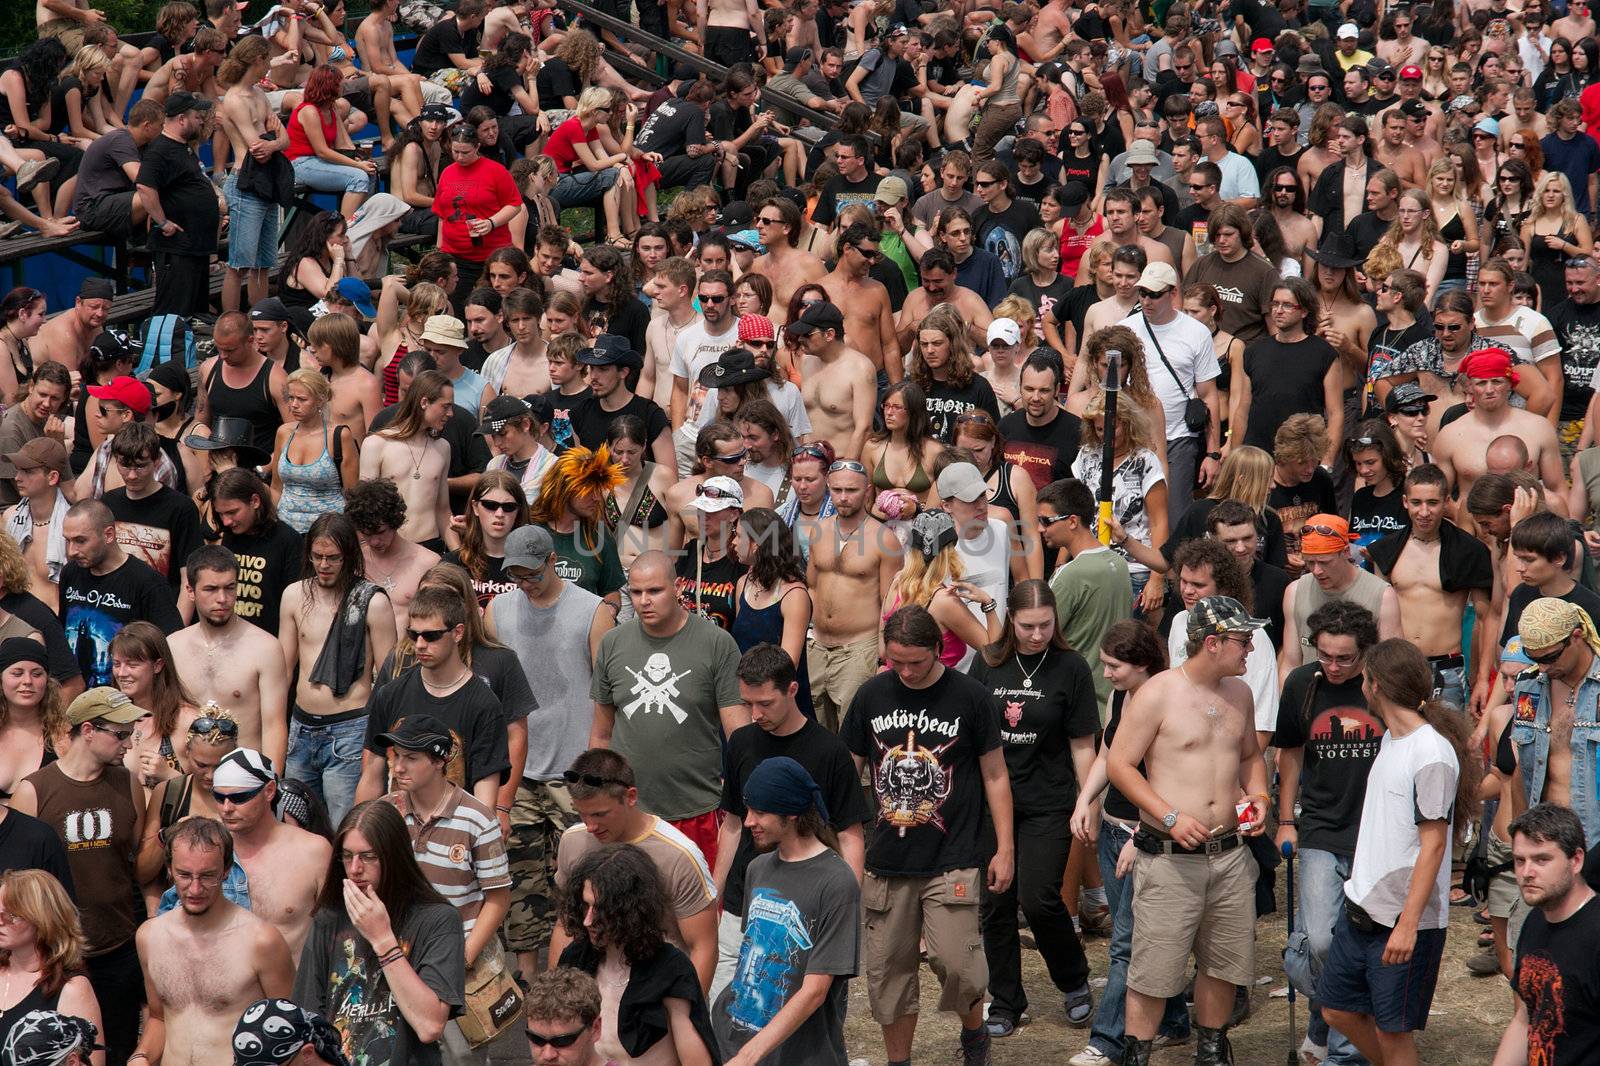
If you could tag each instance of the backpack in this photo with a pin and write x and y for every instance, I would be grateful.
(167, 338)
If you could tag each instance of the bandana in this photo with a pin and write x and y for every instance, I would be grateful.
(1548, 621)
(756, 328)
(272, 1031)
(1313, 543)
(782, 786)
(1488, 363)
(46, 1038)
(931, 532)
(242, 768)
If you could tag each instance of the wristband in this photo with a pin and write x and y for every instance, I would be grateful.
(505, 810)
(393, 955)
(1288, 821)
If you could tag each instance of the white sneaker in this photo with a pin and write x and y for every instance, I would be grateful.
(1312, 1054)
(1089, 1056)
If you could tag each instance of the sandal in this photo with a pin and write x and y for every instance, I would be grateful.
(1461, 898)
(620, 241)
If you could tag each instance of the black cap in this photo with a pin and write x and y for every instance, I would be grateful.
(1074, 194)
(1414, 109)
(736, 216)
(795, 56)
(733, 367)
(171, 376)
(501, 412)
(420, 732)
(94, 288)
(439, 113)
(181, 102)
(818, 316)
(271, 309)
(111, 346)
(609, 349)
(540, 407)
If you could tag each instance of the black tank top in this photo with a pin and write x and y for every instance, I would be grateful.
(1003, 496)
(34, 1000)
(252, 403)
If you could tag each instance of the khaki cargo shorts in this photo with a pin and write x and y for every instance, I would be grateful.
(1200, 904)
(940, 911)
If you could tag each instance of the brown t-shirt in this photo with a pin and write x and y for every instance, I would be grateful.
(684, 874)
(98, 823)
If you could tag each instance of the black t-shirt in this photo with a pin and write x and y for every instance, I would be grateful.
(441, 42)
(923, 746)
(1041, 709)
(671, 128)
(1192, 526)
(822, 754)
(95, 607)
(101, 170)
(1076, 306)
(945, 402)
(630, 321)
(1522, 595)
(1045, 298)
(1190, 216)
(709, 590)
(57, 652)
(838, 194)
(1046, 452)
(160, 529)
(1271, 159)
(1373, 516)
(29, 844)
(187, 197)
(726, 121)
(497, 667)
(1285, 379)
(1577, 327)
(494, 580)
(500, 99)
(471, 713)
(1297, 503)
(555, 81)
(1269, 584)
(590, 421)
(1340, 739)
(1558, 977)
(1366, 230)
(269, 562)
(1001, 233)
(1115, 803)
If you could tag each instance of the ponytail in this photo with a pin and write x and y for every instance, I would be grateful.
(1403, 677)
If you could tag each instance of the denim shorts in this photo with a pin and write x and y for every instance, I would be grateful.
(1356, 979)
(252, 228)
(580, 188)
(323, 176)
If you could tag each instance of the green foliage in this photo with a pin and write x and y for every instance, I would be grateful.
(128, 16)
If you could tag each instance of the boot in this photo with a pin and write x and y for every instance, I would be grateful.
(1135, 1052)
(1211, 1047)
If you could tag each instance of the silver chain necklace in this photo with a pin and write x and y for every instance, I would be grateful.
(1027, 675)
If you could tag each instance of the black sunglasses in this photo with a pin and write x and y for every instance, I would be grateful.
(711, 299)
(429, 635)
(503, 506)
(814, 451)
(1549, 657)
(873, 255)
(222, 727)
(1047, 520)
(564, 1040)
(1449, 327)
(573, 777)
(238, 799)
(736, 457)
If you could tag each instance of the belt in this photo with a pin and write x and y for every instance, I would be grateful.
(1151, 844)
(1447, 662)
(315, 720)
(1362, 921)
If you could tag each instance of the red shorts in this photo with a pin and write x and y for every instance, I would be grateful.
(702, 829)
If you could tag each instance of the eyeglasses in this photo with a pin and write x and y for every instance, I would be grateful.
(502, 506)
(847, 464)
(1449, 327)
(7, 918)
(120, 734)
(428, 636)
(238, 799)
(1338, 660)
(573, 777)
(206, 725)
(812, 451)
(203, 880)
(366, 858)
(1551, 656)
(708, 298)
(736, 457)
(763, 220)
(564, 1040)
(711, 492)
(1286, 305)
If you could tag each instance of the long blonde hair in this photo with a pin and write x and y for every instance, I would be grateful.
(1133, 417)
(38, 899)
(919, 579)
(1427, 232)
(1569, 214)
(1246, 476)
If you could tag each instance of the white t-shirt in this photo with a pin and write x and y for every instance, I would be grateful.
(1260, 669)
(698, 348)
(1239, 178)
(1187, 346)
(1525, 333)
(1130, 488)
(985, 562)
(1412, 780)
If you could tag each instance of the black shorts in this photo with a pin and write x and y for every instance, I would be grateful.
(729, 45)
(109, 213)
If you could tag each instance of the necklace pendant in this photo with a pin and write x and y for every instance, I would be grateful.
(1027, 682)
(416, 475)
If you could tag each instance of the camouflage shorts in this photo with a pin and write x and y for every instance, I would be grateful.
(541, 813)
(1567, 433)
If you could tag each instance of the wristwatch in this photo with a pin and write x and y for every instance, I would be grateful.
(1214, 455)
(1170, 819)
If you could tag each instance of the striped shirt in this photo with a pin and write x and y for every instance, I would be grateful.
(684, 874)
(462, 852)
(1525, 333)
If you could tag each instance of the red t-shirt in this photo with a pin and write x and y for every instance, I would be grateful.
(472, 192)
(559, 145)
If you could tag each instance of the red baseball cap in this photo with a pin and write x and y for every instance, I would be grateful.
(1411, 73)
(1261, 44)
(130, 392)
(756, 328)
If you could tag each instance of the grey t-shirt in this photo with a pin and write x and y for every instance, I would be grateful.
(101, 170)
(667, 692)
(800, 918)
(557, 638)
(879, 82)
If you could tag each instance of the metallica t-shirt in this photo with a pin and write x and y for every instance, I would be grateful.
(1340, 738)
(1044, 701)
(923, 747)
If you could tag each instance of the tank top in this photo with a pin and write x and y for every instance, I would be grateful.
(95, 819)
(299, 143)
(253, 403)
(1366, 591)
(309, 489)
(34, 1000)
(764, 625)
(559, 631)
(1007, 93)
(391, 376)
(1002, 496)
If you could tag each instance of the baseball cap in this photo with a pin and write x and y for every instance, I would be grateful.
(891, 190)
(1414, 109)
(1158, 278)
(1411, 73)
(1004, 329)
(818, 316)
(40, 452)
(1379, 68)
(1261, 44)
(756, 328)
(1141, 154)
(1407, 398)
(528, 546)
(358, 293)
(446, 330)
(961, 481)
(420, 732)
(1074, 194)
(736, 216)
(180, 102)
(130, 392)
(1216, 615)
(111, 346)
(718, 494)
(1349, 32)
(104, 704)
(271, 309)
(609, 349)
(500, 412)
(795, 56)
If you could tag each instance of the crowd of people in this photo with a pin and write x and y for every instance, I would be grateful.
(998, 475)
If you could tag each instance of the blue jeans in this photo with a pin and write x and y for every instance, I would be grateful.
(323, 176)
(1320, 886)
(252, 228)
(327, 759)
(1110, 1017)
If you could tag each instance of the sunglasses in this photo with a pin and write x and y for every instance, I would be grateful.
(983, 183)
(711, 492)
(120, 734)
(974, 418)
(873, 255)
(573, 777)
(206, 725)
(847, 464)
(502, 506)
(1548, 657)
(763, 220)
(707, 299)
(1196, 186)
(564, 1040)
(1285, 188)
(1579, 261)
(1363, 442)
(1278, 80)
(429, 635)
(1449, 327)
(1324, 531)
(1047, 520)
(736, 457)
(813, 451)
(1411, 412)
(238, 799)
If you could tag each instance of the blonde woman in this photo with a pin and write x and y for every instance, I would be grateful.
(1554, 233)
(1245, 476)
(82, 92)
(1005, 356)
(1042, 284)
(589, 169)
(941, 365)
(402, 317)
(932, 578)
(1138, 487)
(1415, 238)
(315, 459)
(1456, 219)
(41, 954)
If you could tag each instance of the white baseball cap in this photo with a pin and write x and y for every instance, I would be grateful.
(1349, 31)
(1004, 329)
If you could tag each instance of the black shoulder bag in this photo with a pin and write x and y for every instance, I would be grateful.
(1196, 415)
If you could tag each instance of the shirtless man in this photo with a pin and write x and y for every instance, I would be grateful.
(853, 559)
(1548, 699)
(719, 451)
(868, 318)
(671, 290)
(1406, 49)
(779, 225)
(1459, 448)
(838, 383)
(1127, 265)
(390, 561)
(67, 337)
(194, 72)
(253, 131)
(1287, 202)
(938, 270)
(1192, 729)
(1420, 123)
(1436, 568)
(330, 718)
(730, 29)
(409, 452)
(1050, 30)
(1346, 322)
(66, 19)
(1577, 24)
(407, 91)
(205, 960)
(1121, 213)
(285, 864)
(224, 660)
(1393, 150)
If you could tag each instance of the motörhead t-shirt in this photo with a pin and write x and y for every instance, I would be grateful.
(922, 746)
(1044, 701)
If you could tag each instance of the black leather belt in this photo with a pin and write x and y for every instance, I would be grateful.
(1447, 662)
(1151, 844)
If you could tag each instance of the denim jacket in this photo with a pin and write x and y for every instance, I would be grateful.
(1530, 731)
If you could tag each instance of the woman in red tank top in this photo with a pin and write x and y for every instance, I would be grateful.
(320, 147)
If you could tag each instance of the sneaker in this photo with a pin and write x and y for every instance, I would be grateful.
(975, 1050)
(1095, 918)
(1000, 1024)
(1090, 1056)
(33, 172)
(1312, 1054)
(1080, 1007)
(1484, 964)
